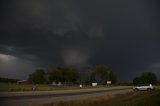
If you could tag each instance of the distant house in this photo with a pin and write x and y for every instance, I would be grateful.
(94, 84)
(23, 82)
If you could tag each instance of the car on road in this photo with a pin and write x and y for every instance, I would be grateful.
(147, 87)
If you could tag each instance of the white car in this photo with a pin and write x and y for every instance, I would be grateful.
(147, 87)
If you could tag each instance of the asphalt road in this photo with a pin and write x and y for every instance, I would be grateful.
(38, 97)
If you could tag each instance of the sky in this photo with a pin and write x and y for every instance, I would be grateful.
(122, 34)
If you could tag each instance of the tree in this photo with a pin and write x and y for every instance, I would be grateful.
(147, 77)
(71, 75)
(112, 77)
(137, 80)
(38, 76)
(102, 74)
(55, 75)
(87, 78)
(8, 80)
(67, 75)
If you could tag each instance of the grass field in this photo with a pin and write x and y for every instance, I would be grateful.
(6, 87)
(39, 87)
(139, 98)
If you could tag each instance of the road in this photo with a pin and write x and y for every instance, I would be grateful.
(38, 97)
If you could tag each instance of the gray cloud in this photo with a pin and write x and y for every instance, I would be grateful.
(15, 67)
(96, 32)
(55, 16)
(78, 57)
(122, 34)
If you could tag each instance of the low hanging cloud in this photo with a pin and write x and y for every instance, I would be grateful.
(15, 67)
(155, 67)
(6, 58)
(96, 32)
(78, 57)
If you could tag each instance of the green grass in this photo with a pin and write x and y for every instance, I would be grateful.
(9, 87)
(129, 99)
(6, 87)
(26, 87)
(138, 99)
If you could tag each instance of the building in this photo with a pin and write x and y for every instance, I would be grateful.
(23, 82)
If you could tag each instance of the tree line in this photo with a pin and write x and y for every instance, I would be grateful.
(100, 74)
(69, 75)
(8, 80)
(146, 78)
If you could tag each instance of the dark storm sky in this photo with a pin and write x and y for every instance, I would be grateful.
(123, 34)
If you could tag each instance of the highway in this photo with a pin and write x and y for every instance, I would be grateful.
(38, 97)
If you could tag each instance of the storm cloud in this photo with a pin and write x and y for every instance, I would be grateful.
(123, 34)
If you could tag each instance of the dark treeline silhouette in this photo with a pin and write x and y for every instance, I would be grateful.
(8, 80)
(146, 78)
(100, 74)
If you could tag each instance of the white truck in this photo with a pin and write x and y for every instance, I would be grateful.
(147, 87)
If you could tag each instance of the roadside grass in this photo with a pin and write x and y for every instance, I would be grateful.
(139, 98)
(28, 87)
(10, 87)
